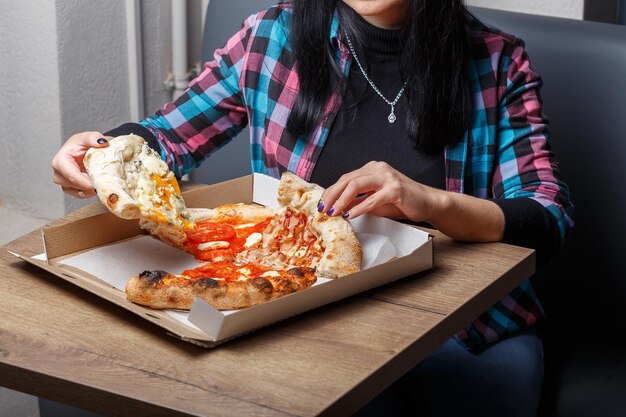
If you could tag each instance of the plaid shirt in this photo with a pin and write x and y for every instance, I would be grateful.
(253, 80)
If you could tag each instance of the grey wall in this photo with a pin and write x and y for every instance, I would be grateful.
(93, 74)
(157, 49)
(30, 127)
(64, 70)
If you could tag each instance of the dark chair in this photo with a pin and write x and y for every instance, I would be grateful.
(584, 291)
(583, 65)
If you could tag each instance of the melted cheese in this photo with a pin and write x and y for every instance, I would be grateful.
(155, 188)
(219, 244)
(245, 225)
(253, 239)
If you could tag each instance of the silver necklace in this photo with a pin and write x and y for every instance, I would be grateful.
(392, 117)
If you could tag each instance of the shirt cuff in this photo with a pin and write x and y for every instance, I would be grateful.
(527, 223)
(136, 129)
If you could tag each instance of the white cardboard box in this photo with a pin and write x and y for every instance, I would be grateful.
(101, 253)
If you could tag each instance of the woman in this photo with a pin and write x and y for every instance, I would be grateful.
(410, 109)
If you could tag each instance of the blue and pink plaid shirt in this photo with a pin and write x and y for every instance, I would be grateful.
(253, 81)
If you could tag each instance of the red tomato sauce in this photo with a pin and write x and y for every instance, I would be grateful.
(224, 269)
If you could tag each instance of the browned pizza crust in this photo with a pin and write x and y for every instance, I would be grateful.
(295, 192)
(160, 290)
(342, 250)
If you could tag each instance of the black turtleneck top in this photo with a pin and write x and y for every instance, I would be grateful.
(361, 131)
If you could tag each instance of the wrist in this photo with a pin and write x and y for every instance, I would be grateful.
(440, 205)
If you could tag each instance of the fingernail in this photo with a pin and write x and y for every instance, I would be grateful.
(330, 211)
(346, 215)
(320, 206)
(101, 141)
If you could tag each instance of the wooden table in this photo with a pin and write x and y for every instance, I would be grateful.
(65, 344)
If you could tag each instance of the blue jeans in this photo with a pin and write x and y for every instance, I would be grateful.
(505, 379)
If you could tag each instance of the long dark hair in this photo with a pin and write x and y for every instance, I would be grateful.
(434, 64)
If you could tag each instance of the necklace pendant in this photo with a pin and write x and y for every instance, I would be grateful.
(391, 117)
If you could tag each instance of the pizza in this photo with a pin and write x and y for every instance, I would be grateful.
(223, 284)
(132, 181)
(249, 253)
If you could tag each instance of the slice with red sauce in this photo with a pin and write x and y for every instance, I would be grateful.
(214, 241)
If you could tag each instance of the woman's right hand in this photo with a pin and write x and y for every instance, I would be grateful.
(69, 171)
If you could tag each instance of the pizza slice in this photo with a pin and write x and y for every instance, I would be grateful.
(223, 284)
(219, 233)
(341, 254)
(132, 181)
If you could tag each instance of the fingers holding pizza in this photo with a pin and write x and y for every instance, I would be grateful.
(130, 178)
(132, 181)
(379, 189)
(68, 167)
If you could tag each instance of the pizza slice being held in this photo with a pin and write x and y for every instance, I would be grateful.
(224, 285)
(132, 181)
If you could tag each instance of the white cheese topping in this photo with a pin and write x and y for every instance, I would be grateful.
(245, 271)
(218, 244)
(253, 239)
(245, 225)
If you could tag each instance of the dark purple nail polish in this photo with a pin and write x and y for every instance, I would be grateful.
(101, 141)
(346, 215)
(330, 211)
(320, 206)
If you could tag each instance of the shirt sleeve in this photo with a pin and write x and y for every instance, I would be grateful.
(527, 223)
(209, 113)
(526, 167)
(135, 129)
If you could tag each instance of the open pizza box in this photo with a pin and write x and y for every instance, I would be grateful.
(101, 253)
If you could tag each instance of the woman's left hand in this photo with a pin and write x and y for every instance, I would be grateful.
(379, 189)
